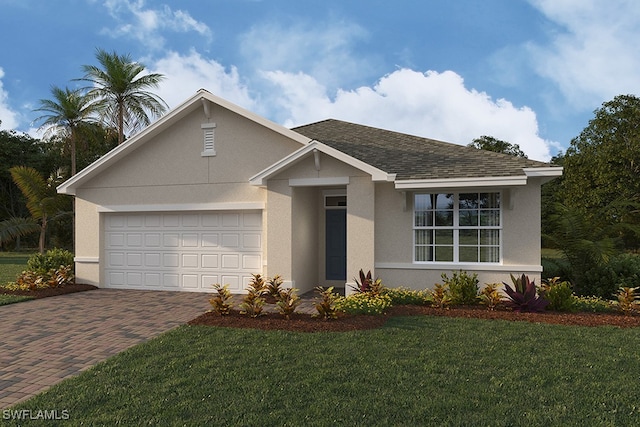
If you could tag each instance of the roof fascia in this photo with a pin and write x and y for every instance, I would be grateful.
(548, 172)
(261, 178)
(194, 102)
(489, 181)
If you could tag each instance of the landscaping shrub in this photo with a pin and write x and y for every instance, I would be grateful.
(364, 303)
(592, 304)
(273, 286)
(524, 296)
(627, 300)
(30, 280)
(554, 267)
(367, 284)
(439, 296)
(463, 288)
(604, 280)
(559, 294)
(50, 260)
(222, 301)
(253, 301)
(287, 302)
(326, 307)
(491, 295)
(406, 296)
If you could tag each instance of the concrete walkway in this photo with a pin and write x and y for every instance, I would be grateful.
(45, 341)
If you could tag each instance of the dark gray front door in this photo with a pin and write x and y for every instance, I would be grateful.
(336, 244)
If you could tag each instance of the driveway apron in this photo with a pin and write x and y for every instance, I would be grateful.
(47, 340)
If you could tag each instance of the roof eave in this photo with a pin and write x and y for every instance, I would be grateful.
(474, 182)
(546, 174)
(194, 102)
(261, 178)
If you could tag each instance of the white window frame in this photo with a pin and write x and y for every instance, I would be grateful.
(456, 229)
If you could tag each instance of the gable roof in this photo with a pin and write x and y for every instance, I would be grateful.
(200, 100)
(317, 146)
(413, 159)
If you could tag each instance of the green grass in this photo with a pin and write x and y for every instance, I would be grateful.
(12, 264)
(10, 299)
(414, 371)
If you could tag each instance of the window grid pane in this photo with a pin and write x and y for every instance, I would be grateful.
(461, 227)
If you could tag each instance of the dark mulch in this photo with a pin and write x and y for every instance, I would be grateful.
(298, 322)
(307, 323)
(51, 292)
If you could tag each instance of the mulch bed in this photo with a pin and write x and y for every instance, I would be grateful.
(306, 323)
(51, 292)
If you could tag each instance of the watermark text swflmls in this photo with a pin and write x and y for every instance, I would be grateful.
(28, 414)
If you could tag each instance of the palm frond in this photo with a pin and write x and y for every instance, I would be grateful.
(13, 228)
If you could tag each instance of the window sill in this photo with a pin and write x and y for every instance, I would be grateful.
(485, 266)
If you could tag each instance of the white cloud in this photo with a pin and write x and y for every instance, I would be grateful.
(146, 25)
(8, 117)
(433, 105)
(185, 74)
(324, 50)
(594, 53)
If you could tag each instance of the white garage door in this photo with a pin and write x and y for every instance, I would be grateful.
(182, 251)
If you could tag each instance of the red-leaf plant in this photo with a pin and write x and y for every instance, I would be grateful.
(523, 297)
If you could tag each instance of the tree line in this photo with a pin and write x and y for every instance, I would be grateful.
(115, 101)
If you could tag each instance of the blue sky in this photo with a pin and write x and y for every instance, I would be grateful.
(529, 72)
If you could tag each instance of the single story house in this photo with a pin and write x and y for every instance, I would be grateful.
(211, 193)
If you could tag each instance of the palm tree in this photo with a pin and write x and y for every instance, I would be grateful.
(68, 111)
(120, 92)
(43, 202)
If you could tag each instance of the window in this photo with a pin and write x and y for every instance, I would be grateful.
(457, 227)
(209, 139)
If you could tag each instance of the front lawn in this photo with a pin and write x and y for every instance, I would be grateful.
(10, 299)
(12, 264)
(413, 371)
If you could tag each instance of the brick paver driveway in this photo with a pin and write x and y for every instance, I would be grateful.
(45, 341)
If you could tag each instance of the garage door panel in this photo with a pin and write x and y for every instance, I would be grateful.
(210, 240)
(190, 240)
(152, 260)
(251, 241)
(117, 240)
(182, 251)
(210, 261)
(152, 240)
(231, 240)
(134, 259)
(190, 260)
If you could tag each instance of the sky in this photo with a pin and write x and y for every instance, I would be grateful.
(530, 72)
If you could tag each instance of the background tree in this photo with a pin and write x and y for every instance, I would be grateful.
(490, 143)
(67, 114)
(18, 149)
(120, 90)
(602, 168)
(43, 202)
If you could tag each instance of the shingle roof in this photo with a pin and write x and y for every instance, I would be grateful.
(413, 157)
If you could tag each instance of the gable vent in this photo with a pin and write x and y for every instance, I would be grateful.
(209, 139)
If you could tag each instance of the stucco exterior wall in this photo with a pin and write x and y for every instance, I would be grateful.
(169, 170)
(304, 238)
(361, 211)
(279, 219)
(88, 243)
(394, 239)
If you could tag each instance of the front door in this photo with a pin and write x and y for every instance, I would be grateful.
(336, 244)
